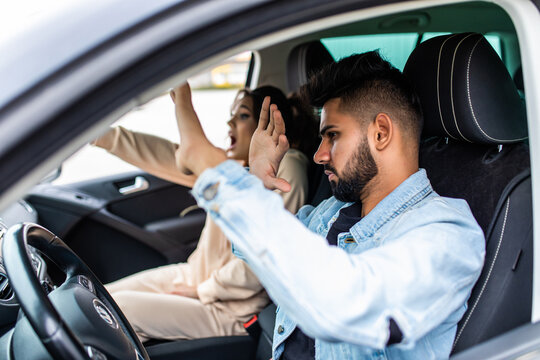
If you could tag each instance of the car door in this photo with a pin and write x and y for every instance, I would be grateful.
(123, 223)
(121, 220)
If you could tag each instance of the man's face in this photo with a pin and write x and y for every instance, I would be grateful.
(344, 151)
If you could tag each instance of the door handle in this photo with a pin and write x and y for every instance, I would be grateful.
(188, 210)
(139, 184)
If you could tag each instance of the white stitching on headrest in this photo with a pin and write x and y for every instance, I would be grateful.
(438, 91)
(470, 101)
(452, 87)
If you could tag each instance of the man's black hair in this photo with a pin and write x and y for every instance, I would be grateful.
(367, 85)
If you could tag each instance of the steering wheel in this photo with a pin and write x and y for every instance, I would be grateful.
(91, 326)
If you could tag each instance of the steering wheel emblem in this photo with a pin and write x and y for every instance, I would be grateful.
(105, 313)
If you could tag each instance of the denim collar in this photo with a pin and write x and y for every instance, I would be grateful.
(407, 194)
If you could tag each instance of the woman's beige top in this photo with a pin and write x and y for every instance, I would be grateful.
(221, 278)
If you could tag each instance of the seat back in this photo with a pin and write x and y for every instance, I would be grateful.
(266, 319)
(474, 148)
(305, 60)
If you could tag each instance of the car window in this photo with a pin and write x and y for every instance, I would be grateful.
(394, 47)
(213, 93)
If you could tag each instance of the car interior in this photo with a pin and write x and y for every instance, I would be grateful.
(463, 60)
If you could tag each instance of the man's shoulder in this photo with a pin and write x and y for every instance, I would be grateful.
(436, 201)
(437, 225)
(436, 208)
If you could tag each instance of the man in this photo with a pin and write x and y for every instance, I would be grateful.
(382, 269)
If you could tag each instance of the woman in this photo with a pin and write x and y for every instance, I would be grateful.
(213, 293)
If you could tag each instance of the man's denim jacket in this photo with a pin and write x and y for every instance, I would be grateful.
(414, 259)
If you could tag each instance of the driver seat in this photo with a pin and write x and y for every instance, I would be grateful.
(474, 147)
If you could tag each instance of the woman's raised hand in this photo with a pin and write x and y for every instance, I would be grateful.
(195, 153)
(181, 95)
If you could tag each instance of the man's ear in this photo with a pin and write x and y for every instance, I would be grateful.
(383, 131)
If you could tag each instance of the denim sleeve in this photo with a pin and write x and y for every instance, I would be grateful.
(337, 296)
(304, 215)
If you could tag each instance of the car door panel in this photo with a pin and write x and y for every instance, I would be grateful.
(118, 233)
(520, 343)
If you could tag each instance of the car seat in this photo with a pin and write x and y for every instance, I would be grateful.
(474, 147)
(305, 60)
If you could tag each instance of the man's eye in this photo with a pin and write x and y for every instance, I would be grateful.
(245, 116)
(331, 134)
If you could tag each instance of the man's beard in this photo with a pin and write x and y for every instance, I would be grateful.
(358, 172)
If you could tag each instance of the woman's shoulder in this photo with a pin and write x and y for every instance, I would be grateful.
(293, 165)
(296, 157)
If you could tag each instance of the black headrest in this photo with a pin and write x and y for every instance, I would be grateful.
(304, 60)
(466, 92)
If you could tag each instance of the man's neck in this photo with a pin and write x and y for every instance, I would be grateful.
(381, 186)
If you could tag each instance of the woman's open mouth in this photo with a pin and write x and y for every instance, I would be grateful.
(233, 142)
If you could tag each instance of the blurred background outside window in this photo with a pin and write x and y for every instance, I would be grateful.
(213, 93)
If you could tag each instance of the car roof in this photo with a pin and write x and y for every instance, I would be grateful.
(82, 25)
(481, 17)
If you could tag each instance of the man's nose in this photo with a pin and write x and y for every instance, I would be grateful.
(322, 155)
(231, 122)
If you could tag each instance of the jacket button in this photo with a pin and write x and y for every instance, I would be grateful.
(210, 192)
(280, 329)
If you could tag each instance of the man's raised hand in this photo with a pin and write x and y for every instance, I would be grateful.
(268, 146)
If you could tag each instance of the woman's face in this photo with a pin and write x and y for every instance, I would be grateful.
(242, 125)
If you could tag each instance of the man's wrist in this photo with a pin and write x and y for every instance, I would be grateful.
(228, 172)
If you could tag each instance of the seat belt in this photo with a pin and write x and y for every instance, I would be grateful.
(253, 327)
